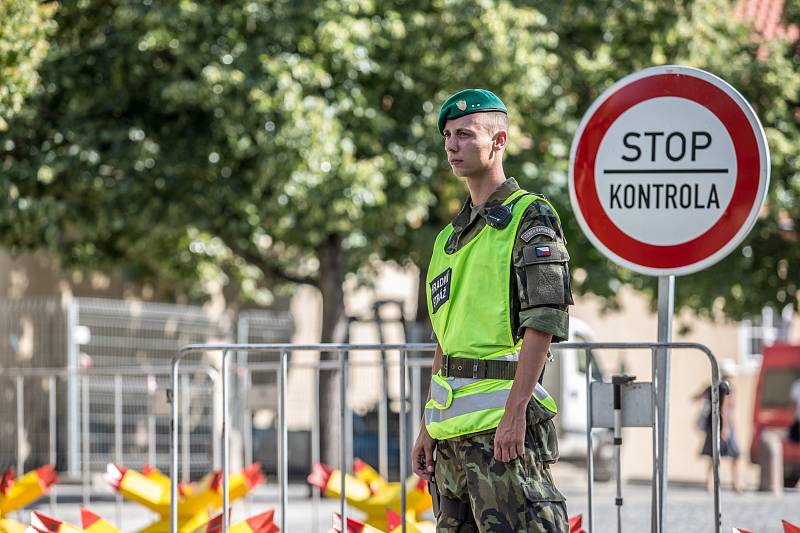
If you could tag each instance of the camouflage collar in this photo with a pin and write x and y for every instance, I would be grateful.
(468, 214)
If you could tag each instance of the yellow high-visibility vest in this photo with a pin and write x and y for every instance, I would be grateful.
(468, 302)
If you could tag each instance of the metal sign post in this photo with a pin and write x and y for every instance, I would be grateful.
(661, 366)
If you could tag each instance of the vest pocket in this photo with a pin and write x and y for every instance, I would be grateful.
(441, 392)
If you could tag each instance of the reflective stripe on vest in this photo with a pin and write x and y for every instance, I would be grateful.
(481, 401)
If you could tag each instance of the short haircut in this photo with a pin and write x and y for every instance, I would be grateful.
(494, 121)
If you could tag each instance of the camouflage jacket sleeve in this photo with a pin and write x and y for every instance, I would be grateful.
(541, 273)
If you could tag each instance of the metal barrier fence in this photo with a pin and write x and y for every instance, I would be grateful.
(282, 350)
(127, 403)
(72, 334)
(113, 402)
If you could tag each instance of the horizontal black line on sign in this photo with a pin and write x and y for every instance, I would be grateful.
(666, 171)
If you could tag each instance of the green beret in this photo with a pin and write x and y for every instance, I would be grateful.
(467, 102)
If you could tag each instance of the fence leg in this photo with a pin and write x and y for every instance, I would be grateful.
(20, 429)
(216, 430)
(383, 420)
(416, 400)
(173, 450)
(247, 422)
(118, 441)
(85, 481)
(226, 452)
(403, 439)
(186, 395)
(342, 439)
(315, 492)
(589, 442)
(715, 421)
(283, 382)
(151, 426)
(73, 391)
(51, 419)
(20, 424)
(655, 494)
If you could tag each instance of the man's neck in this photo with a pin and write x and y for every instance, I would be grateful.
(481, 187)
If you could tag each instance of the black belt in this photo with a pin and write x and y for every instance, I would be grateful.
(462, 367)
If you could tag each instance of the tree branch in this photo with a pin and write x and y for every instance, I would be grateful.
(268, 267)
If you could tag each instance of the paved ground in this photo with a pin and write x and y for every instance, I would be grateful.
(689, 509)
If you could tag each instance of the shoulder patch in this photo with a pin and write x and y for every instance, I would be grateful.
(532, 232)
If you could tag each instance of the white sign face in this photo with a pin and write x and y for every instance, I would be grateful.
(691, 146)
(668, 170)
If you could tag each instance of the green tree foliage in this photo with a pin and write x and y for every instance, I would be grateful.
(604, 42)
(23, 44)
(251, 143)
(265, 142)
(270, 141)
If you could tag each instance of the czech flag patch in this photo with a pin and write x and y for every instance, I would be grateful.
(542, 251)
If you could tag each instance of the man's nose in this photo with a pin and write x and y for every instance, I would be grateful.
(450, 144)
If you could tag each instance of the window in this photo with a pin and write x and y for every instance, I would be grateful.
(754, 335)
(776, 386)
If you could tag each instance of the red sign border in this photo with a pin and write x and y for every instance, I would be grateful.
(666, 81)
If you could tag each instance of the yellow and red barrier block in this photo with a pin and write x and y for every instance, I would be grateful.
(368, 492)
(17, 492)
(576, 524)
(260, 523)
(394, 524)
(787, 528)
(46, 524)
(151, 488)
(92, 523)
(353, 526)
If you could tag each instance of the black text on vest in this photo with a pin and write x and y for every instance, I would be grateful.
(440, 289)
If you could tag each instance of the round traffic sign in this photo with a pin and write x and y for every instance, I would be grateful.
(668, 170)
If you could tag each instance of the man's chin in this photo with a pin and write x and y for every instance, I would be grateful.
(459, 172)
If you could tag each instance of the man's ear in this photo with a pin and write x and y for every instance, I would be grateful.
(500, 139)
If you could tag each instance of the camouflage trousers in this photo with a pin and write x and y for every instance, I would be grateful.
(518, 496)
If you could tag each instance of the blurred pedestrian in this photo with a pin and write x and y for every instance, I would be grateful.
(728, 444)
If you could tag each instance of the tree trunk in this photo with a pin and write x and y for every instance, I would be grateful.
(331, 280)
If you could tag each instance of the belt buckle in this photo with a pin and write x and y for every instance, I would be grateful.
(445, 366)
(475, 369)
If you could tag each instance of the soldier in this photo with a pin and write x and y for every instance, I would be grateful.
(498, 290)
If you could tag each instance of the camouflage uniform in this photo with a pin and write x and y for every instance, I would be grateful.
(520, 495)
(466, 470)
